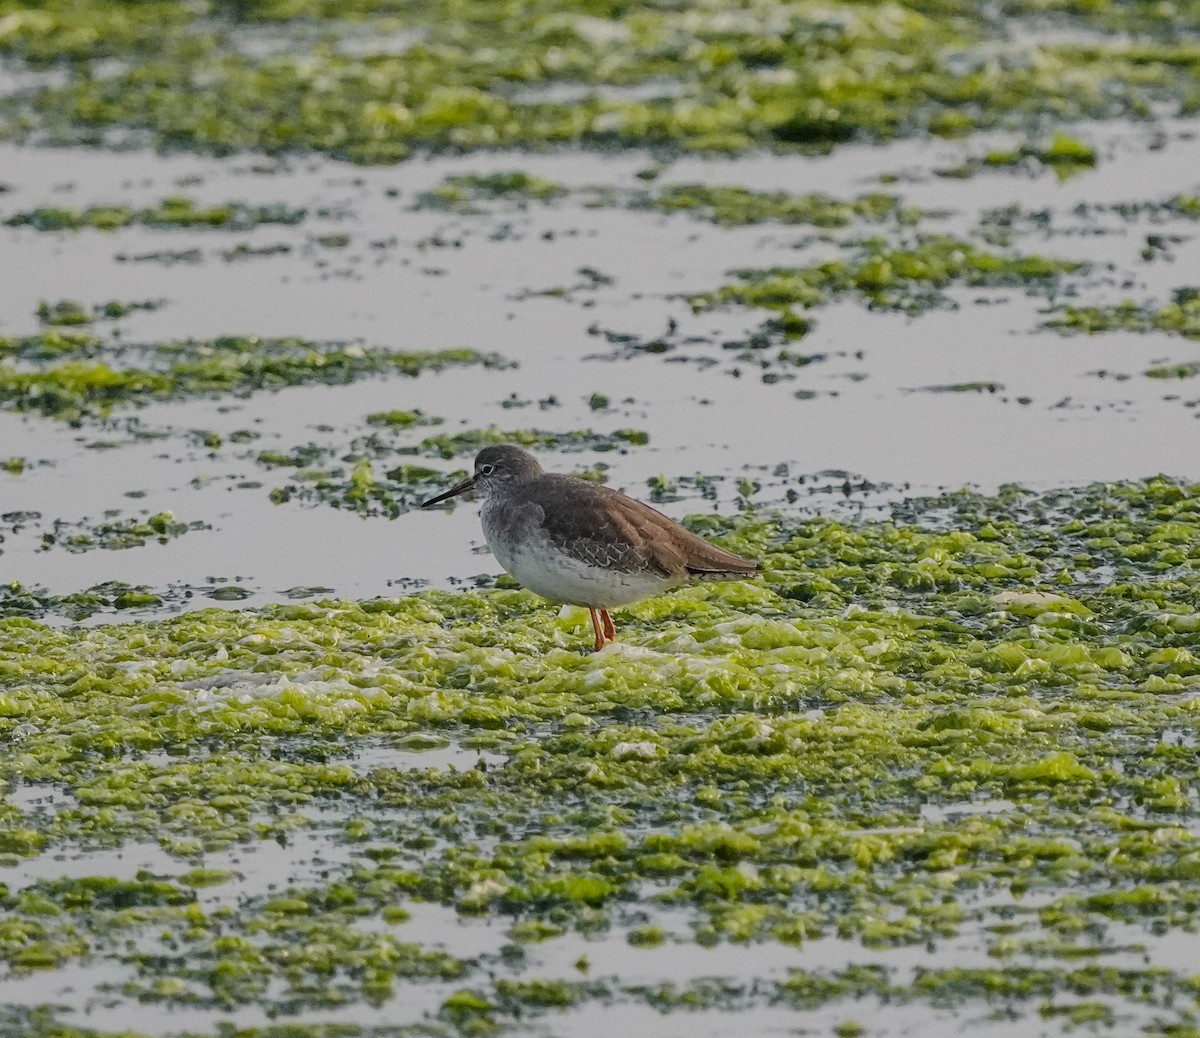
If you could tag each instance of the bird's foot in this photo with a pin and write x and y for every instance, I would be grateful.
(602, 624)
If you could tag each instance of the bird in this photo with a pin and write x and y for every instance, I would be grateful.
(576, 542)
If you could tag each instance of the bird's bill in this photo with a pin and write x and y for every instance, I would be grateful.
(454, 491)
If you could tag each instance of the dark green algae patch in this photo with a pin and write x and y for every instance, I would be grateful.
(978, 718)
(114, 534)
(728, 206)
(377, 475)
(177, 211)
(722, 79)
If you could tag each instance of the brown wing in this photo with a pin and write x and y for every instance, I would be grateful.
(603, 527)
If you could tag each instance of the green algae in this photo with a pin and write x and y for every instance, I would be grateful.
(727, 206)
(1183, 207)
(60, 30)
(365, 478)
(176, 211)
(735, 206)
(397, 419)
(118, 534)
(453, 445)
(885, 276)
(799, 79)
(1181, 316)
(68, 313)
(110, 596)
(50, 345)
(92, 377)
(1188, 369)
(463, 193)
(779, 761)
(997, 226)
(962, 387)
(1064, 154)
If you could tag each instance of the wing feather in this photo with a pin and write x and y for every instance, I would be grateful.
(604, 527)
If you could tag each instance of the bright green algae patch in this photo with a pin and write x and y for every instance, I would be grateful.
(1064, 154)
(717, 76)
(1181, 317)
(977, 718)
(71, 375)
(886, 276)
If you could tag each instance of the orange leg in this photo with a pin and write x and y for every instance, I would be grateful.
(610, 632)
(597, 628)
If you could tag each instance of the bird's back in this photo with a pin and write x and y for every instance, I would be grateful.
(604, 527)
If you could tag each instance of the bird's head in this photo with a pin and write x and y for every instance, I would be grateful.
(495, 467)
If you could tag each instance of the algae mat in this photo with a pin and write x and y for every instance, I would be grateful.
(714, 76)
(288, 264)
(970, 727)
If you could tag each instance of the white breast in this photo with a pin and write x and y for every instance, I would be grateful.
(540, 566)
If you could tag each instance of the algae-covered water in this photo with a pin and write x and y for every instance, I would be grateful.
(900, 299)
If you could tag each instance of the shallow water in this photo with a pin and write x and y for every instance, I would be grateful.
(883, 415)
(429, 280)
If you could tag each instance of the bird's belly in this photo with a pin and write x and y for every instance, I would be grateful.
(553, 574)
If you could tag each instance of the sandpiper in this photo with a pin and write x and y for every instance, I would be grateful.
(576, 542)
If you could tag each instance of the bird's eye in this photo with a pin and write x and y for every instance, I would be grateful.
(486, 470)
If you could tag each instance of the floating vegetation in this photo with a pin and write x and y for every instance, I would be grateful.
(177, 211)
(1177, 207)
(737, 206)
(360, 488)
(115, 534)
(91, 378)
(453, 445)
(1064, 154)
(367, 479)
(961, 387)
(794, 81)
(663, 488)
(1186, 369)
(997, 226)
(402, 419)
(49, 345)
(909, 279)
(462, 193)
(68, 313)
(244, 251)
(18, 601)
(977, 717)
(727, 206)
(167, 257)
(1181, 317)
(81, 32)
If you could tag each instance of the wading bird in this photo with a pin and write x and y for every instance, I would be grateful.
(581, 543)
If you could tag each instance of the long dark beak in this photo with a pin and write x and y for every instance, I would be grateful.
(454, 491)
